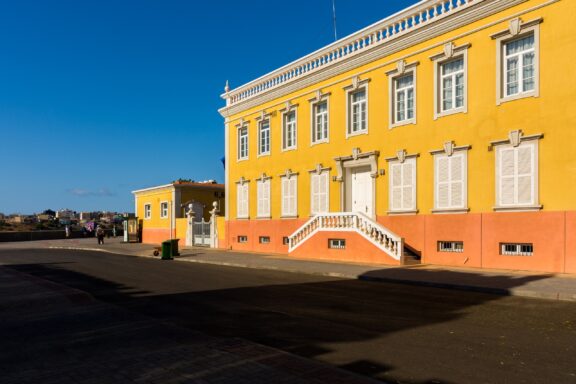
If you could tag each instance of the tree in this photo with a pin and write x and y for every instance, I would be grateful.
(49, 212)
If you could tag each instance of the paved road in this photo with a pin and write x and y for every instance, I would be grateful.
(397, 333)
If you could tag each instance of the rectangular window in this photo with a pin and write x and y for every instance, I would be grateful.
(452, 85)
(289, 131)
(336, 243)
(516, 175)
(286, 240)
(519, 66)
(263, 196)
(242, 239)
(320, 122)
(357, 112)
(264, 137)
(451, 246)
(404, 98)
(403, 186)
(147, 211)
(450, 181)
(289, 196)
(516, 249)
(164, 209)
(242, 201)
(242, 143)
(319, 192)
(264, 240)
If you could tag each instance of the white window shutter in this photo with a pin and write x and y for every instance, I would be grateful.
(443, 179)
(323, 192)
(525, 174)
(314, 194)
(457, 181)
(267, 198)
(293, 198)
(507, 176)
(396, 187)
(408, 185)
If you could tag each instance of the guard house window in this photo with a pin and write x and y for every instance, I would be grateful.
(319, 192)
(242, 201)
(452, 82)
(519, 66)
(147, 211)
(164, 209)
(264, 137)
(403, 186)
(289, 196)
(263, 195)
(450, 181)
(516, 175)
(320, 122)
(357, 112)
(404, 98)
(289, 131)
(242, 143)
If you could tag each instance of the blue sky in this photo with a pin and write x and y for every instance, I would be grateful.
(99, 98)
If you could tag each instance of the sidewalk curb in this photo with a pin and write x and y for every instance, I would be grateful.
(558, 296)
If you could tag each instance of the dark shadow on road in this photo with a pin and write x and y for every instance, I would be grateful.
(343, 322)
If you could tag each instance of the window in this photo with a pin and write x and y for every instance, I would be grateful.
(285, 240)
(264, 137)
(263, 197)
(403, 186)
(289, 130)
(517, 51)
(242, 201)
(289, 196)
(264, 240)
(519, 66)
(452, 85)
(336, 243)
(512, 249)
(451, 246)
(516, 175)
(164, 209)
(242, 143)
(242, 239)
(357, 112)
(147, 211)
(320, 122)
(319, 192)
(450, 174)
(404, 98)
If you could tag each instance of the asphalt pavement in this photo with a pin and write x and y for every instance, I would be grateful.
(501, 282)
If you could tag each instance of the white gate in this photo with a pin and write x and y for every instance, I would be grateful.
(202, 233)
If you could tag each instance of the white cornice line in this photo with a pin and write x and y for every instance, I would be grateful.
(332, 71)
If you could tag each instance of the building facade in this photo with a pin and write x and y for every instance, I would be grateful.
(446, 130)
(161, 209)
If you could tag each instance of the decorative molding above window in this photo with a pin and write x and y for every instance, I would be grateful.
(319, 169)
(450, 51)
(264, 115)
(242, 181)
(357, 159)
(357, 83)
(515, 138)
(288, 174)
(402, 67)
(401, 156)
(449, 148)
(319, 96)
(516, 27)
(263, 177)
(288, 107)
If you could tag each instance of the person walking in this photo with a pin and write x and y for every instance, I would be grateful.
(67, 231)
(100, 234)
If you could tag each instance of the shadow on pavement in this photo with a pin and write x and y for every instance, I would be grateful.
(352, 324)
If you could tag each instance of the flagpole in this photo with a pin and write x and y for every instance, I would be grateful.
(334, 19)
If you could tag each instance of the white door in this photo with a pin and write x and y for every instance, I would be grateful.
(362, 191)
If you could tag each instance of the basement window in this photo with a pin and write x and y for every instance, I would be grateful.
(451, 246)
(516, 249)
(336, 243)
(242, 239)
(264, 240)
(286, 240)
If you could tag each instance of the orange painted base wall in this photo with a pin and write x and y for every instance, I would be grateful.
(553, 235)
(158, 235)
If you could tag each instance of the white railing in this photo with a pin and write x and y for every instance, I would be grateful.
(381, 237)
(384, 31)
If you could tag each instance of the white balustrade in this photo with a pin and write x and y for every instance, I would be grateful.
(386, 240)
(380, 33)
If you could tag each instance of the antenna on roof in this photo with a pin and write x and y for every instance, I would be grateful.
(334, 19)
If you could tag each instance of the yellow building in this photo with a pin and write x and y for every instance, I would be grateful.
(162, 210)
(447, 130)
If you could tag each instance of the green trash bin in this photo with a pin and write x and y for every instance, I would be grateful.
(175, 251)
(167, 250)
